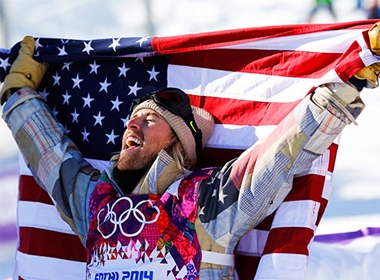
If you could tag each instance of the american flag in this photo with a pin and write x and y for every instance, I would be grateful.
(249, 79)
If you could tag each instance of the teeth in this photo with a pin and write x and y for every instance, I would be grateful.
(133, 141)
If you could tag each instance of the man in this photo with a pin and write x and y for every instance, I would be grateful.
(320, 5)
(149, 216)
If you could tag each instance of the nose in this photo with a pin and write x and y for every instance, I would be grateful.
(133, 123)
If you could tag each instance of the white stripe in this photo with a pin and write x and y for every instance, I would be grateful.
(324, 41)
(327, 187)
(229, 136)
(40, 215)
(368, 58)
(37, 267)
(282, 266)
(300, 213)
(237, 85)
(98, 164)
(253, 243)
(319, 165)
(23, 168)
(225, 136)
(218, 258)
(237, 137)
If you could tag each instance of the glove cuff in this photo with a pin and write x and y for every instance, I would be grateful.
(16, 80)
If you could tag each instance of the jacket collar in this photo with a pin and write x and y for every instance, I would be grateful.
(163, 172)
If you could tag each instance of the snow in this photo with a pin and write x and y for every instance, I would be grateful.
(355, 198)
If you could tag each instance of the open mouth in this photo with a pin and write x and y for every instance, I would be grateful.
(132, 142)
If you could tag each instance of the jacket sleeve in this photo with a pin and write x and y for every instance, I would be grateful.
(253, 186)
(54, 160)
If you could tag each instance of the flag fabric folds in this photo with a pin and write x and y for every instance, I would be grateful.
(249, 79)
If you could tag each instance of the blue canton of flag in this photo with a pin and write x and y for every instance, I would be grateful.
(91, 94)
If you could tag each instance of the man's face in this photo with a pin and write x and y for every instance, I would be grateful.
(147, 133)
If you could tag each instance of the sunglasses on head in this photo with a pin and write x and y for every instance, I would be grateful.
(178, 103)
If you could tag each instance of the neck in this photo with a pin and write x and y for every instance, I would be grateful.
(128, 179)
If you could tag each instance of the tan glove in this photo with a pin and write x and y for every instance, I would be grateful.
(25, 71)
(371, 72)
(374, 38)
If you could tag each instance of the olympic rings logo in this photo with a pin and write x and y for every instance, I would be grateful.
(118, 221)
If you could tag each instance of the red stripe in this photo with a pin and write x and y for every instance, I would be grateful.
(212, 157)
(246, 266)
(302, 189)
(243, 112)
(350, 63)
(266, 224)
(293, 240)
(208, 40)
(299, 64)
(45, 243)
(309, 187)
(31, 191)
(333, 154)
(322, 209)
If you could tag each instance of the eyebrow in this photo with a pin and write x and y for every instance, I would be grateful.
(155, 114)
(150, 113)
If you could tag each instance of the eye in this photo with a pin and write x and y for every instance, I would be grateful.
(151, 118)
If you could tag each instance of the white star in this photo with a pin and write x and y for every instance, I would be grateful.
(213, 193)
(153, 74)
(56, 79)
(62, 51)
(98, 119)
(87, 100)
(85, 135)
(134, 89)
(67, 130)
(87, 47)
(116, 103)
(66, 65)
(139, 58)
(115, 43)
(125, 120)
(66, 98)
(55, 112)
(75, 116)
(44, 94)
(4, 63)
(142, 40)
(111, 137)
(123, 70)
(94, 67)
(212, 181)
(222, 196)
(201, 211)
(104, 85)
(77, 81)
(37, 44)
(65, 41)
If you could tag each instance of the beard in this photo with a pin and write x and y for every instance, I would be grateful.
(141, 159)
(134, 162)
(142, 156)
